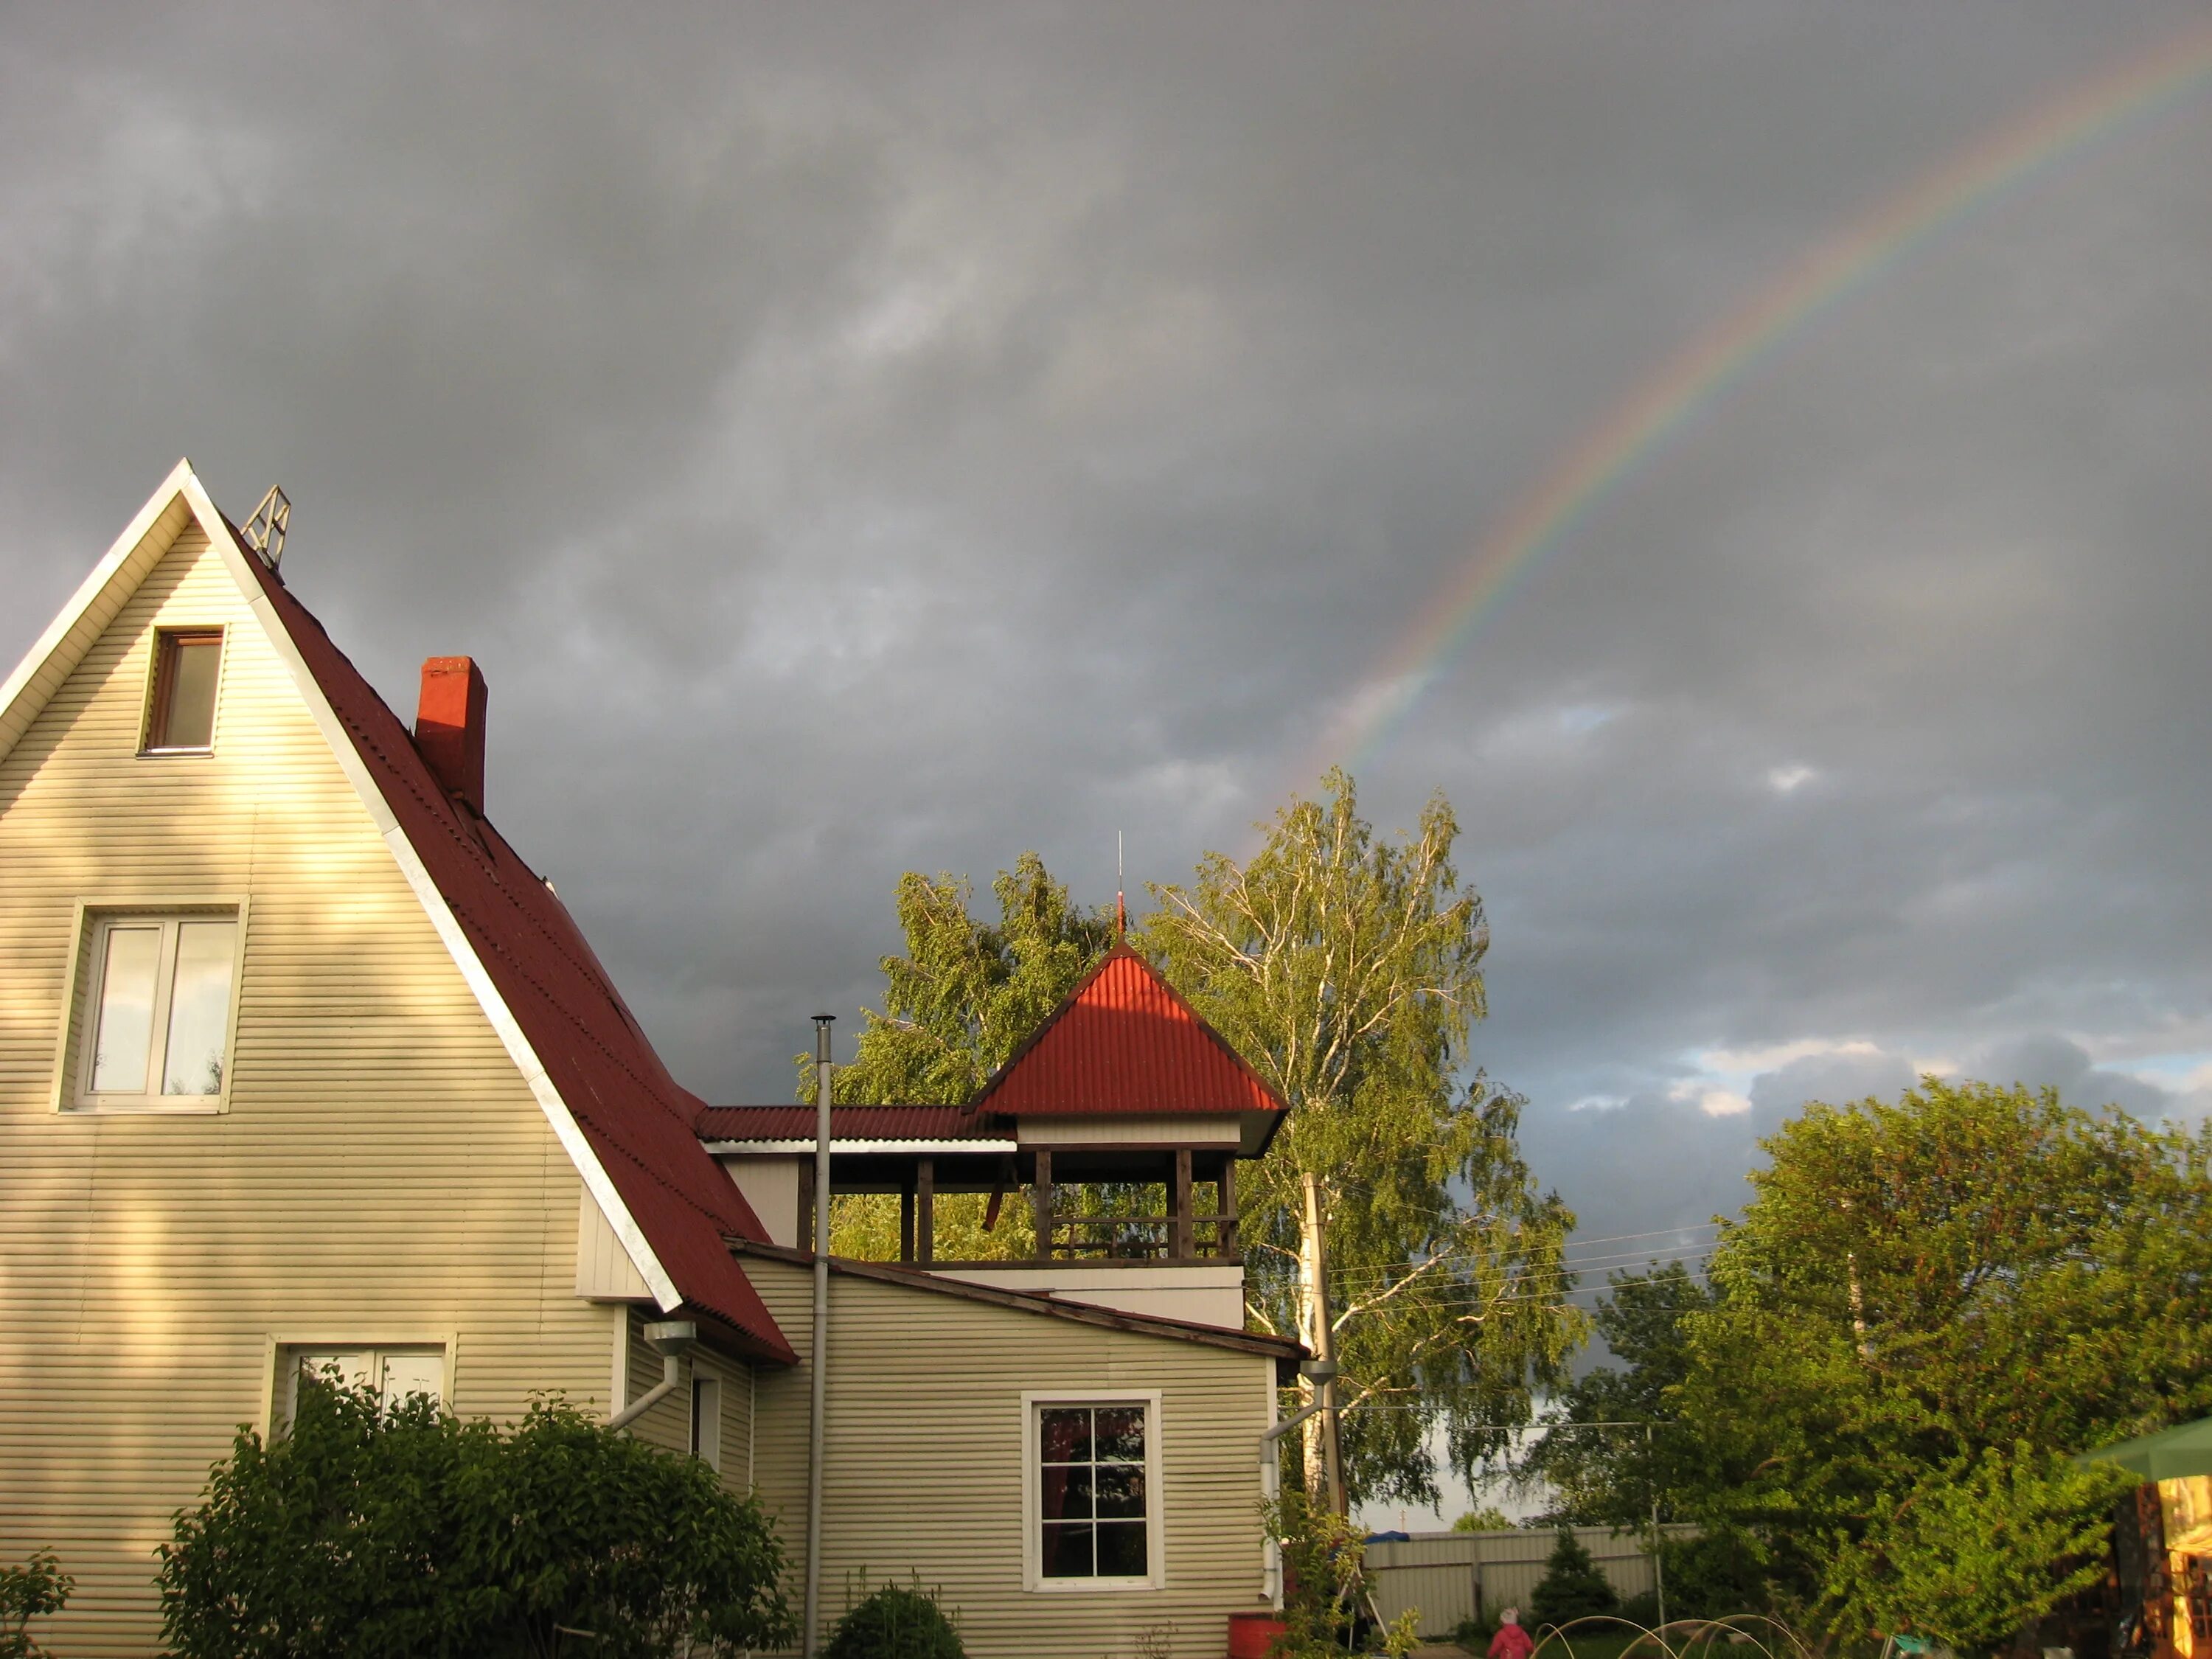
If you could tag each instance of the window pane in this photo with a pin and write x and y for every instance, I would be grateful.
(1119, 1489)
(199, 1008)
(1121, 1549)
(406, 1374)
(189, 720)
(1121, 1435)
(125, 1032)
(1067, 1552)
(706, 1422)
(1065, 1434)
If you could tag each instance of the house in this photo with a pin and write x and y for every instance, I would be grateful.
(301, 1062)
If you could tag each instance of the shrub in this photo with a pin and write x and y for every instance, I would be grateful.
(1573, 1587)
(369, 1532)
(30, 1591)
(1714, 1574)
(1324, 1562)
(899, 1621)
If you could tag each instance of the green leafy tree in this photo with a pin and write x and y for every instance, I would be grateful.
(374, 1533)
(1346, 968)
(1926, 1307)
(34, 1590)
(1488, 1519)
(1611, 1476)
(1572, 1586)
(899, 1621)
(956, 1007)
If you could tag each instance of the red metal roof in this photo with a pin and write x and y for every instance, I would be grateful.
(848, 1123)
(636, 1118)
(1124, 1042)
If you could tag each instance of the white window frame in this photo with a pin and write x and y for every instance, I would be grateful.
(90, 926)
(1156, 1559)
(707, 1385)
(147, 748)
(280, 1375)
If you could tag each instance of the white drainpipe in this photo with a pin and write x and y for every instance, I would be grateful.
(1318, 1372)
(671, 1338)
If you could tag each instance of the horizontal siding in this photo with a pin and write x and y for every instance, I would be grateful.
(924, 1470)
(382, 1171)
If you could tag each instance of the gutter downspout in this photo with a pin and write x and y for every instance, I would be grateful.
(1320, 1371)
(672, 1338)
(818, 1356)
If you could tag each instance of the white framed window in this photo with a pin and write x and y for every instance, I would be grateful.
(156, 1013)
(180, 701)
(396, 1370)
(707, 1420)
(1092, 1509)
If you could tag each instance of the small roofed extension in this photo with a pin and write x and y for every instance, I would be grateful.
(1124, 1084)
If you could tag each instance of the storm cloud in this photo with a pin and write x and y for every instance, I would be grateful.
(862, 439)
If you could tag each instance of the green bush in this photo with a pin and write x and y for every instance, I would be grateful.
(899, 1621)
(1573, 1587)
(37, 1588)
(1716, 1574)
(376, 1532)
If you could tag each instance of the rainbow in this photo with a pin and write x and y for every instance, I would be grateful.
(1588, 473)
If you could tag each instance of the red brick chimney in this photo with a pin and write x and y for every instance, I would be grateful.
(449, 726)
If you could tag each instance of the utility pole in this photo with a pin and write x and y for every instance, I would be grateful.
(1658, 1561)
(1324, 1344)
(817, 1360)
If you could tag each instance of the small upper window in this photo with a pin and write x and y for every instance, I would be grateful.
(180, 716)
(158, 1010)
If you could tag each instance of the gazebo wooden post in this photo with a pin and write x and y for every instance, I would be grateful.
(1224, 1194)
(1041, 1197)
(925, 1211)
(1179, 1230)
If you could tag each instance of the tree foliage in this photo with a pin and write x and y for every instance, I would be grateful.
(34, 1590)
(1572, 1586)
(1927, 1306)
(1488, 1518)
(956, 1007)
(1345, 967)
(382, 1532)
(1608, 1476)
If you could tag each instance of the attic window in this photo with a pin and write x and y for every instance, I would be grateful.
(180, 714)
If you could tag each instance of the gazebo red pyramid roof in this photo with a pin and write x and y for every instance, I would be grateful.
(1124, 1042)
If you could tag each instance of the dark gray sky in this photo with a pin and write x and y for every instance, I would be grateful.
(864, 439)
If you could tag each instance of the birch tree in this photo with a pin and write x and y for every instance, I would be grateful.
(1346, 968)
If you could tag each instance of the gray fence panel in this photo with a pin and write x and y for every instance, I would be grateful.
(1451, 1575)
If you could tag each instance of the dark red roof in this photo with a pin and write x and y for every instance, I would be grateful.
(636, 1118)
(1124, 1042)
(848, 1123)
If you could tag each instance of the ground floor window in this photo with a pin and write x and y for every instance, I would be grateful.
(707, 1421)
(395, 1372)
(1094, 1492)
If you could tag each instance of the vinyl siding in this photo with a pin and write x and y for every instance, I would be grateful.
(381, 1170)
(668, 1423)
(925, 1463)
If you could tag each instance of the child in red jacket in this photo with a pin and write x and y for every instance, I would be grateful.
(1511, 1641)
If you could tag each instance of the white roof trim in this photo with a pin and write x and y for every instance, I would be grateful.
(55, 642)
(736, 1148)
(184, 482)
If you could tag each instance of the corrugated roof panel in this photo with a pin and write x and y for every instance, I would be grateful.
(636, 1117)
(846, 1123)
(1124, 1042)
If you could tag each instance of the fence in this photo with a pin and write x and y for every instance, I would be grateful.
(1451, 1575)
